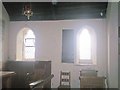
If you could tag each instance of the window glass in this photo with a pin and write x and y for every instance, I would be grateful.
(29, 45)
(29, 52)
(84, 45)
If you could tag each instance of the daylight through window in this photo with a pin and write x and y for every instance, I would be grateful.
(86, 47)
(25, 45)
(29, 45)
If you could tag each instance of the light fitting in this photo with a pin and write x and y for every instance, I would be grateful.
(28, 10)
(101, 13)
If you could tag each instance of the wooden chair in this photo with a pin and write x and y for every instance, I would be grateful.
(64, 80)
(88, 73)
(92, 82)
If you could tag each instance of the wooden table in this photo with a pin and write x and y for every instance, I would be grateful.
(6, 76)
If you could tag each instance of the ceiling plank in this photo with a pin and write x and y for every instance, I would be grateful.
(60, 11)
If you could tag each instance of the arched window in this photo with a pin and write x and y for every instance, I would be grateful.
(29, 45)
(86, 47)
(25, 45)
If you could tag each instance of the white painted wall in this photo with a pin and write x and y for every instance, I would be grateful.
(119, 63)
(3, 39)
(5, 28)
(119, 46)
(112, 26)
(0, 35)
(49, 44)
(0, 42)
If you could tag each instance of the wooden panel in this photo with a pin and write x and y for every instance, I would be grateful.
(92, 82)
(88, 73)
(6, 78)
(21, 69)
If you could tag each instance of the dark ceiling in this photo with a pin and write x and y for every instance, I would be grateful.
(59, 11)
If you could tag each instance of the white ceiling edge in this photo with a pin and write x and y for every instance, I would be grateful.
(60, 0)
(57, 0)
(113, 0)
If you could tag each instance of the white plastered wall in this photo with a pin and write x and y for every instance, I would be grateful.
(49, 44)
(5, 28)
(112, 27)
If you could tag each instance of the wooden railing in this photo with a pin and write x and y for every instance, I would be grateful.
(40, 83)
